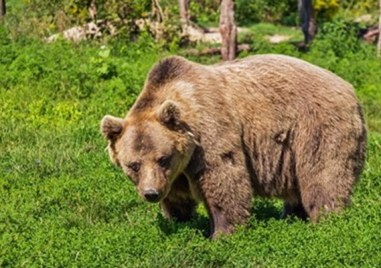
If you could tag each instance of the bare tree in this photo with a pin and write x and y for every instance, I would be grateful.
(2, 8)
(228, 30)
(184, 15)
(307, 18)
(158, 11)
(379, 34)
(93, 10)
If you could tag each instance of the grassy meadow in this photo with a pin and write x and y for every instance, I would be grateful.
(63, 204)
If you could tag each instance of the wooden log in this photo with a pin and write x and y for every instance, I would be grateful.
(370, 36)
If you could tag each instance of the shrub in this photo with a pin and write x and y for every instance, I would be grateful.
(326, 9)
(338, 38)
(266, 11)
(360, 7)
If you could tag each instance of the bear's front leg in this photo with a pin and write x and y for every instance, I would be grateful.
(220, 223)
(227, 195)
(179, 203)
(180, 210)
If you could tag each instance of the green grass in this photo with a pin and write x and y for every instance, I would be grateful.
(62, 203)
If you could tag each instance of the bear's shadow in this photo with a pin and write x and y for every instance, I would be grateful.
(263, 210)
(198, 222)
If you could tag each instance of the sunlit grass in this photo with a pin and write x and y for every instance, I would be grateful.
(62, 203)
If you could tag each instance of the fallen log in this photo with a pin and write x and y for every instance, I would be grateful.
(371, 35)
(214, 50)
(89, 30)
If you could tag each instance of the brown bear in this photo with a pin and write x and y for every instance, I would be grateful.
(267, 125)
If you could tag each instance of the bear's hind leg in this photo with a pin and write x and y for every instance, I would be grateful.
(329, 166)
(318, 200)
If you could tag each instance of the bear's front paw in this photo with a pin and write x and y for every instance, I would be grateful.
(225, 230)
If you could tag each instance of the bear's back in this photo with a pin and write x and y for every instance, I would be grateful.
(277, 86)
(279, 72)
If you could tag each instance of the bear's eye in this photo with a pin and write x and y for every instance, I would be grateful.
(135, 166)
(164, 161)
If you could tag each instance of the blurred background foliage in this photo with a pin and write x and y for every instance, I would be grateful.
(46, 17)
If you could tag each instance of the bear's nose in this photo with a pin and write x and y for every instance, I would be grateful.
(151, 195)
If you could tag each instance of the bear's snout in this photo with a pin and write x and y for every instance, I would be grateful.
(151, 195)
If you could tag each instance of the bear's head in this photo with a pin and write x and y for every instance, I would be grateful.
(153, 148)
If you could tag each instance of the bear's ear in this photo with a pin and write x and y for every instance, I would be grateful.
(169, 113)
(111, 127)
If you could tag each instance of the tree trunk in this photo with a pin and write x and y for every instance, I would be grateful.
(228, 30)
(307, 19)
(92, 10)
(184, 15)
(379, 34)
(2, 8)
(158, 11)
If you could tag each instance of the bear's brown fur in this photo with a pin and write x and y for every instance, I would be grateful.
(267, 125)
